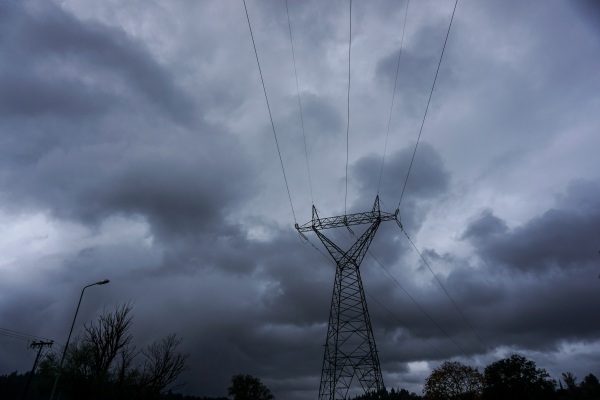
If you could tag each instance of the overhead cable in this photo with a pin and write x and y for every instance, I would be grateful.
(393, 96)
(448, 294)
(414, 301)
(348, 122)
(428, 101)
(391, 313)
(299, 103)
(9, 331)
(269, 108)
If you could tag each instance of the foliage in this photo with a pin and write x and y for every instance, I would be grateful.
(453, 380)
(246, 387)
(162, 366)
(400, 394)
(98, 364)
(12, 386)
(517, 378)
(590, 388)
(179, 396)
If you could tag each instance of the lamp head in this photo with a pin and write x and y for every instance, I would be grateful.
(102, 282)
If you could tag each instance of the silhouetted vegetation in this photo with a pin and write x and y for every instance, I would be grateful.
(517, 378)
(394, 394)
(12, 386)
(99, 363)
(246, 387)
(95, 370)
(453, 380)
(514, 378)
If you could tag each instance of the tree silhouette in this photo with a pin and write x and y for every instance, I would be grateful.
(590, 388)
(99, 363)
(246, 387)
(453, 380)
(162, 366)
(517, 378)
(570, 380)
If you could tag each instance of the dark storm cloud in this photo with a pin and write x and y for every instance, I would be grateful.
(84, 171)
(43, 42)
(533, 291)
(428, 180)
(94, 128)
(589, 11)
(562, 237)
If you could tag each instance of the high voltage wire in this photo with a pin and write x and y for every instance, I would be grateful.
(440, 283)
(269, 108)
(407, 327)
(428, 101)
(24, 336)
(17, 337)
(299, 103)
(448, 294)
(393, 96)
(421, 308)
(391, 313)
(348, 124)
(9, 331)
(418, 305)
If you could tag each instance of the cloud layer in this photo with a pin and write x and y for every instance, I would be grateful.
(135, 145)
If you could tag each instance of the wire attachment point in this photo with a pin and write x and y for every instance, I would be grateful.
(348, 227)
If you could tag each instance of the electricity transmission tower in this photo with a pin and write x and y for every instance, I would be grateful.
(350, 347)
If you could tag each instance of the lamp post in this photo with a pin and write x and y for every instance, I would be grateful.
(69, 338)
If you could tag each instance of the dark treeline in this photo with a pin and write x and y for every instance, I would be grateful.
(13, 385)
(99, 365)
(393, 394)
(103, 363)
(514, 378)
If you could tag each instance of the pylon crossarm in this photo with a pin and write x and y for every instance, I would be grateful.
(317, 223)
(347, 220)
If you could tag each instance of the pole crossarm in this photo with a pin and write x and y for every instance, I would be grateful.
(339, 221)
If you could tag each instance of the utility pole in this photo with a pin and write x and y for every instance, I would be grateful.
(40, 345)
(350, 346)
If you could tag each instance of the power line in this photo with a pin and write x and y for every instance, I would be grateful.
(391, 313)
(421, 308)
(448, 294)
(24, 336)
(455, 305)
(269, 108)
(21, 333)
(418, 305)
(299, 103)
(428, 101)
(348, 124)
(393, 96)
(407, 327)
(16, 337)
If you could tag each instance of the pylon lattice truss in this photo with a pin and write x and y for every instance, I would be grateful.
(350, 346)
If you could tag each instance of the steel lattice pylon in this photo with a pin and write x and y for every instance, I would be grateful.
(350, 346)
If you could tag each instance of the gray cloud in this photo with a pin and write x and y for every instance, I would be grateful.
(43, 42)
(561, 237)
(135, 145)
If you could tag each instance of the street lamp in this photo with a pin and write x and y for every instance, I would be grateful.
(69, 338)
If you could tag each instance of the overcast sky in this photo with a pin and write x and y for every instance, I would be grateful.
(136, 146)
